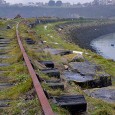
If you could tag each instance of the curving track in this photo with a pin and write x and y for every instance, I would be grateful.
(40, 93)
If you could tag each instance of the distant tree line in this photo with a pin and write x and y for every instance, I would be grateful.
(88, 12)
(55, 3)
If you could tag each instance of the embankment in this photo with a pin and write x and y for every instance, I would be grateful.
(82, 36)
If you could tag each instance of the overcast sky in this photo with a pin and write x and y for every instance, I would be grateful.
(26, 1)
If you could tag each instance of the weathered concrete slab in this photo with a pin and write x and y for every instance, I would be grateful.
(75, 103)
(88, 75)
(51, 72)
(86, 81)
(58, 51)
(84, 68)
(48, 64)
(69, 75)
(106, 94)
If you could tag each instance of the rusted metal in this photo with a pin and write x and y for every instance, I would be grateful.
(40, 93)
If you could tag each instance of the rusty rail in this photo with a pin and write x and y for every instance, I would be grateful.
(40, 93)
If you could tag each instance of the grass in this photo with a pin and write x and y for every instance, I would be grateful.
(100, 108)
(58, 110)
(20, 106)
(107, 64)
(51, 36)
(39, 56)
(17, 74)
(17, 90)
(95, 106)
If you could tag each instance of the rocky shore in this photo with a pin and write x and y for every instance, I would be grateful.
(82, 36)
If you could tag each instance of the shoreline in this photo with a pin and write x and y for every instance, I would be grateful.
(83, 36)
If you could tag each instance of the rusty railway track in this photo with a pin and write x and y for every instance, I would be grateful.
(47, 110)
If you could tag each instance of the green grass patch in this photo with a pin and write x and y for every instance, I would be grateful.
(17, 74)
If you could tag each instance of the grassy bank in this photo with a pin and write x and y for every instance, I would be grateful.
(22, 94)
(58, 40)
(83, 33)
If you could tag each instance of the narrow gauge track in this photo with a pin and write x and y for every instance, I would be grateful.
(40, 93)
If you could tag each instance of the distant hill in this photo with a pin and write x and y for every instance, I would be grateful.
(88, 12)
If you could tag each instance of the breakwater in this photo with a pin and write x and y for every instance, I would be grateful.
(83, 36)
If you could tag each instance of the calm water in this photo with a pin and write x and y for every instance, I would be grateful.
(105, 46)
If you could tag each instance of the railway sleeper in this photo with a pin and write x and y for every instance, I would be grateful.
(5, 85)
(4, 64)
(29, 41)
(56, 85)
(4, 103)
(48, 64)
(51, 72)
(74, 103)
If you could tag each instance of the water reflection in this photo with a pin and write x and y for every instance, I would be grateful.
(105, 46)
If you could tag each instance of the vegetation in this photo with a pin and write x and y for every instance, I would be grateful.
(17, 72)
(48, 33)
